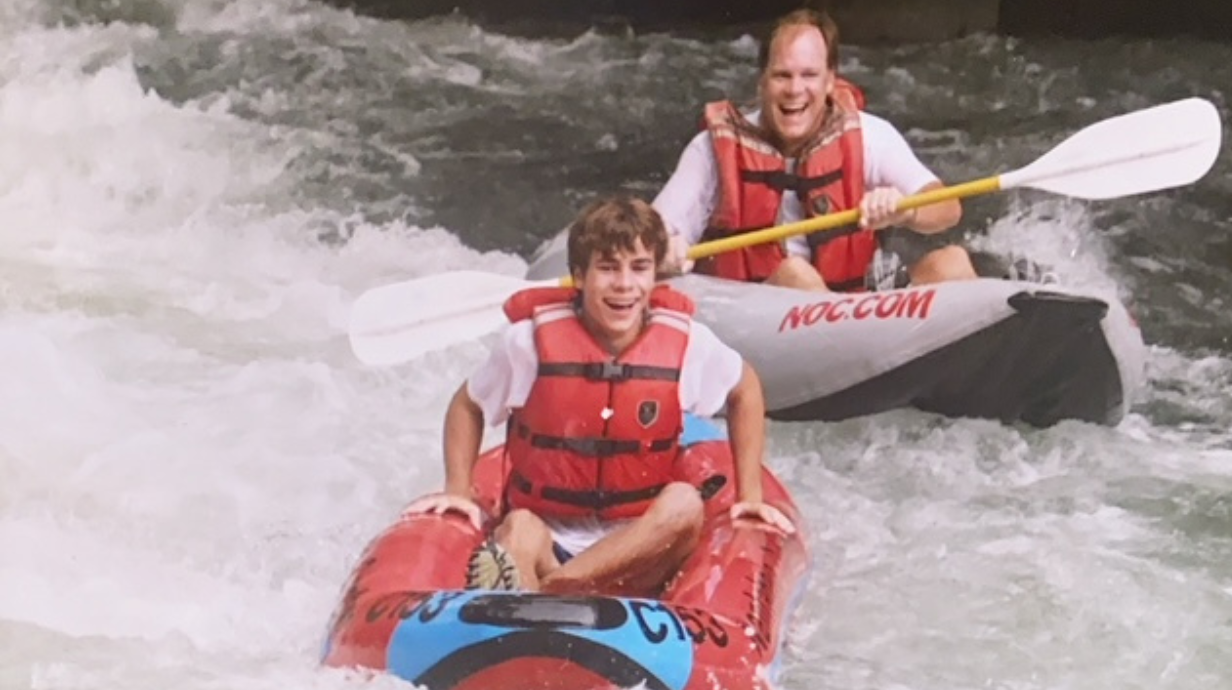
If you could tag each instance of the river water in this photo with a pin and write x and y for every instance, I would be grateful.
(193, 193)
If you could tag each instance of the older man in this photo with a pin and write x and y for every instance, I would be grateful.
(810, 150)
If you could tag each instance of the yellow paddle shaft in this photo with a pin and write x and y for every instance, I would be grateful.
(840, 219)
(831, 221)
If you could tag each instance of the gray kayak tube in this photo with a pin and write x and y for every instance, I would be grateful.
(987, 348)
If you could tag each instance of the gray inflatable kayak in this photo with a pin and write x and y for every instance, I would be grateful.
(990, 348)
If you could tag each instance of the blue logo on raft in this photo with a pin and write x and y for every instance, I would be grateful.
(626, 641)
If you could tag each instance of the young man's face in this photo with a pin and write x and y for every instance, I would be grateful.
(794, 86)
(615, 295)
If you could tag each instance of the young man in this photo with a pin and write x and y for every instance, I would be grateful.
(593, 382)
(810, 150)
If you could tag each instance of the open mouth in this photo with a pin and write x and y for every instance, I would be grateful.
(620, 306)
(793, 111)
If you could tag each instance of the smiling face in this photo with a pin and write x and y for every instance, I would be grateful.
(615, 247)
(794, 85)
(616, 294)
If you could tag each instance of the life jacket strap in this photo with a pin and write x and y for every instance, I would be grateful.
(609, 371)
(593, 500)
(782, 180)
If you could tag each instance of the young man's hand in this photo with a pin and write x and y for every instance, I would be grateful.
(763, 512)
(442, 503)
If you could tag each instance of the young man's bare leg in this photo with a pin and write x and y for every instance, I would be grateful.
(795, 272)
(528, 541)
(639, 557)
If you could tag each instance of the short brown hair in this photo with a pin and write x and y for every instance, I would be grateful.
(803, 17)
(614, 224)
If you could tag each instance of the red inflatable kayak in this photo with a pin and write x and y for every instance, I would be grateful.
(719, 623)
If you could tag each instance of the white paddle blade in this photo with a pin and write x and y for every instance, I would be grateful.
(396, 323)
(1144, 151)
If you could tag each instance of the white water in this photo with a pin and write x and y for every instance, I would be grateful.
(191, 459)
(190, 455)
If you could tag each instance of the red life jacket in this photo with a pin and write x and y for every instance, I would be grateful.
(829, 177)
(598, 434)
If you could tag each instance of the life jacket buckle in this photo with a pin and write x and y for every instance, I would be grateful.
(607, 371)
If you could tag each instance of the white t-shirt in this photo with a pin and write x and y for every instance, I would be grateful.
(689, 198)
(709, 372)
